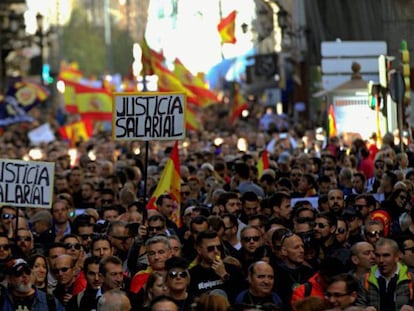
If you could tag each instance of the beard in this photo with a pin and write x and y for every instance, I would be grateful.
(22, 288)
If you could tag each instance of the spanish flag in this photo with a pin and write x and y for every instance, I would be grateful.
(262, 163)
(238, 105)
(77, 131)
(149, 58)
(331, 122)
(226, 28)
(170, 183)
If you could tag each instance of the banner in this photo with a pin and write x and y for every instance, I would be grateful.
(26, 183)
(148, 116)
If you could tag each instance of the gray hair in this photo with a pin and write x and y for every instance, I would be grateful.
(158, 239)
(112, 301)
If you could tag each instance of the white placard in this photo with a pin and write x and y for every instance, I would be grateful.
(26, 183)
(41, 134)
(148, 116)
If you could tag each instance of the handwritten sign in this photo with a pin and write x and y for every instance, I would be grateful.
(25, 183)
(148, 116)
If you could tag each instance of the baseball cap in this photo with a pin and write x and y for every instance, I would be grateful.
(17, 266)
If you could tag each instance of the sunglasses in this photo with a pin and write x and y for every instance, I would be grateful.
(176, 274)
(373, 234)
(340, 231)
(379, 165)
(359, 207)
(320, 225)
(76, 246)
(6, 216)
(24, 239)
(212, 248)
(57, 270)
(156, 228)
(25, 270)
(5, 247)
(251, 238)
(285, 236)
(411, 249)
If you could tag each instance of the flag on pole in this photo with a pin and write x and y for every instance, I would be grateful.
(331, 122)
(226, 28)
(238, 105)
(77, 131)
(149, 58)
(262, 163)
(170, 183)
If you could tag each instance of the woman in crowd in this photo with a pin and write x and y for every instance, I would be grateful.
(155, 287)
(38, 264)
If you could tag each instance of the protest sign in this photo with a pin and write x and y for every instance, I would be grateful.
(148, 116)
(26, 183)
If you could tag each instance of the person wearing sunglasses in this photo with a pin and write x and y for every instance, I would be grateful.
(21, 294)
(63, 270)
(25, 242)
(177, 281)
(341, 234)
(118, 234)
(252, 247)
(8, 214)
(353, 219)
(374, 182)
(406, 244)
(395, 205)
(211, 272)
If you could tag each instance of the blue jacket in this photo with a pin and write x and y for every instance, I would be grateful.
(39, 303)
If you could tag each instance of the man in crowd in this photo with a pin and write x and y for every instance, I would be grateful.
(86, 300)
(387, 286)
(101, 246)
(342, 291)
(25, 242)
(336, 201)
(117, 233)
(362, 257)
(21, 294)
(165, 206)
(114, 300)
(112, 274)
(250, 205)
(211, 272)
(260, 292)
(63, 270)
(280, 203)
(406, 243)
(230, 231)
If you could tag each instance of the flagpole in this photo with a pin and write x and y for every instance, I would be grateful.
(146, 171)
(221, 17)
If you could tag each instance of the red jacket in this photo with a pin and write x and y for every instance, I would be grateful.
(318, 289)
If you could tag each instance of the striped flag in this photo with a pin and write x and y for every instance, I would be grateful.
(262, 163)
(331, 122)
(170, 182)
(239, 104)
(226, 28)
(149, 58)
(77, 131)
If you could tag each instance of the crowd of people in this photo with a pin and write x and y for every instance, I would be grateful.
(323, 227)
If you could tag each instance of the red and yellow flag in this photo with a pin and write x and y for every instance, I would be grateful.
(149, 59)
(239, 104)
(331, 122)
(89, 102)
(262, 163)
(170, 182)
(226, 28)
(77, 131)
(70, 72)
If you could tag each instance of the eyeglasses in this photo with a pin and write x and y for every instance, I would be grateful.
(373, 234)
(335, 295)
(176, 274)
(6, 216)
(121, 238)
(212, 248)
(5, 247)
(320, 225)
(76, 246)
(23, 239)
(26, 270)
(340, 231)
(250, 238)
(155, 228)
(58, 270)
